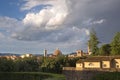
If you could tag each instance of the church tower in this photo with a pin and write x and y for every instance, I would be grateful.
(45, 53)
(89, 51)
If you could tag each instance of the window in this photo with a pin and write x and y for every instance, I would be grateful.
(104, 65)
(80, 64)
(117, 66)
(116, 62)
(91, 64)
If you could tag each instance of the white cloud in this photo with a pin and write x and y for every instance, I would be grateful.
(29, 4)
(8, 22)
(9, 25)
(49, 18)
(91, 21)
(98, 21)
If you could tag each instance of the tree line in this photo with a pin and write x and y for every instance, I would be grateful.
(112, 48)
(33, 64)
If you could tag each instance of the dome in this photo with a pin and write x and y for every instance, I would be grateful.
(57, 52)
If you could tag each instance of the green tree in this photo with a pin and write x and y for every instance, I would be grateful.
(6, 65)
(115, 44)
(105, 49)
(72, 61)
(56, 64)
(93, 42)
(26, 64)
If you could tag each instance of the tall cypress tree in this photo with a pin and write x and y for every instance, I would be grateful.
(93, 42)
(115, 44)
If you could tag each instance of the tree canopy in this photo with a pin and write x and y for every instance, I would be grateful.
(105, 50)
(33, 64)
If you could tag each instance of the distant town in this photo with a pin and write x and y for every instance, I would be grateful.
(57, 52)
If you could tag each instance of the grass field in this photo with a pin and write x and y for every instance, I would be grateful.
(30, 76)
(108, 76)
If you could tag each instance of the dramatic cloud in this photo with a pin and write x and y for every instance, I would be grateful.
(62, 14)
(47, 22)
(49, 17)
(65, 23)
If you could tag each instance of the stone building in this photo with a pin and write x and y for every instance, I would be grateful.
(88, 68)
(78, 53)
(103, 62)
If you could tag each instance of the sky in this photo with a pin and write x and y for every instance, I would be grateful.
(30, 26)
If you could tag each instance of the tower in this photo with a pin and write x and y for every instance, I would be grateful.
(89, 50)
(45, 53)
(79, 53)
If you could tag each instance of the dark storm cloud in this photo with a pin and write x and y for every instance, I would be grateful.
(84, 10)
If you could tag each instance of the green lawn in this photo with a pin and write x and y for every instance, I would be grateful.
(30, 76)
(108, 76)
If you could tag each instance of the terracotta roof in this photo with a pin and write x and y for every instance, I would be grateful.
(92, 59)
(98, 59)
(57, 52)
(80, 61)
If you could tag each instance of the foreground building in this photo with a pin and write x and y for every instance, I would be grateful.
(89, 67)
(99, 63)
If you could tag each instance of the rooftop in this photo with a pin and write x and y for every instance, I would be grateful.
(98, 59)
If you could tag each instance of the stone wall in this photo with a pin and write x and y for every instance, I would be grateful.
(73, 73)
(80, 75)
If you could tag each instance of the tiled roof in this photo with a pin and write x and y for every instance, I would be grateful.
(57, 52)
(80, 61)
(98, 59)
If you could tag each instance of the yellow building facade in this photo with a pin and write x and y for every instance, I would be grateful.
(105, 62)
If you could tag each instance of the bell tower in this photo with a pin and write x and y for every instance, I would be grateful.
(89, 50)
(45, 53)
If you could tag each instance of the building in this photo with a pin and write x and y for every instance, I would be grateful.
(57, 52)
(78, 53)
(12, 57)
(45, 53)
(103, 62)
(88, 68)
(26, 55)
(72, 55)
